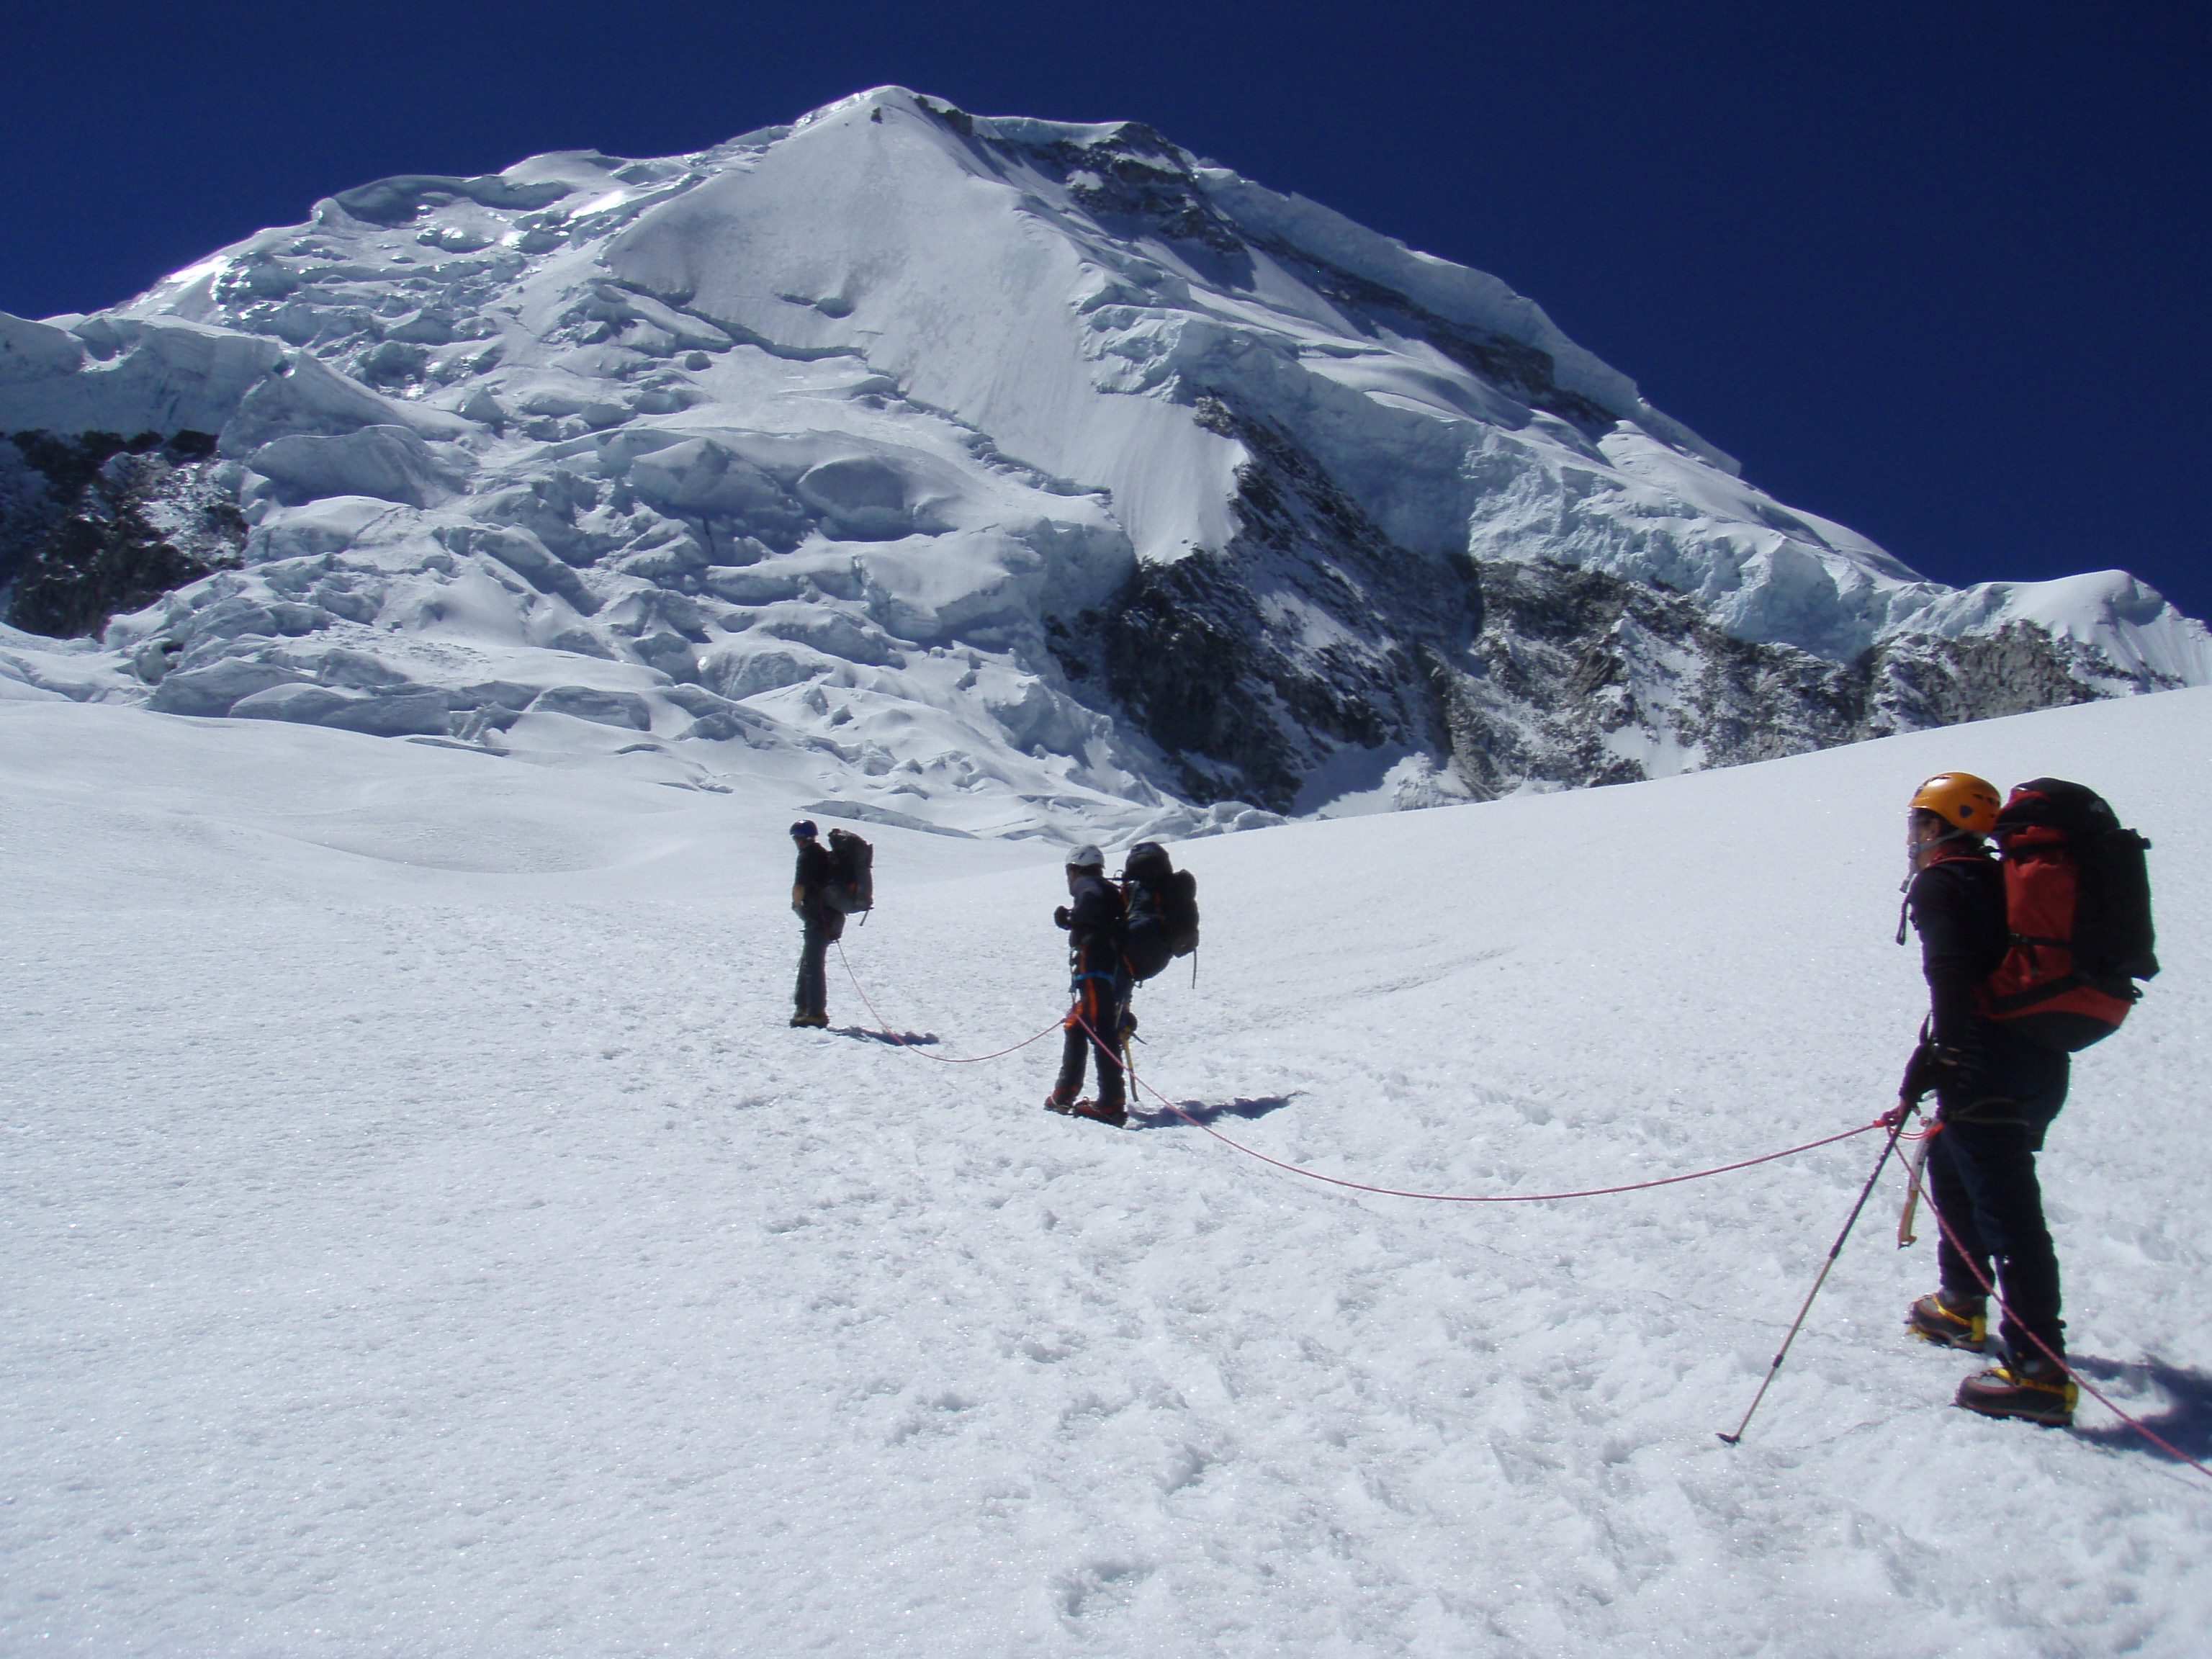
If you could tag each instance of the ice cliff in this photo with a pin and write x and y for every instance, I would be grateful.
(1015, 477)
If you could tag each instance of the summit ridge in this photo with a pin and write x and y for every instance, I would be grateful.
(1043, 475)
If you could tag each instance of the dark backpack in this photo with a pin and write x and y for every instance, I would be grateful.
(2077, 905)
(852, 883)
(1163, 918)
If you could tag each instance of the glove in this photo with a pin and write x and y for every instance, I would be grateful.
(1929, 1069)
(1060, 917)
(1895, 1116)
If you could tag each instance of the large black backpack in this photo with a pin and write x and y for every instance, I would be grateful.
(2077, 906)
(852, 885)
(1163, 917)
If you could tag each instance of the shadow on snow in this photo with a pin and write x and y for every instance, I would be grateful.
(1202, 1111)
(890, 1039)
(2186, 1421)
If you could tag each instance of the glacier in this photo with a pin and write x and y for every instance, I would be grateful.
(425, 1236)
(1027, 478)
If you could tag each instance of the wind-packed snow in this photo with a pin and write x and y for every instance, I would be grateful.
(833, 431)
(423, 1236)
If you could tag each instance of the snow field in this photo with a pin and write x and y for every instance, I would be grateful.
(423, 1236)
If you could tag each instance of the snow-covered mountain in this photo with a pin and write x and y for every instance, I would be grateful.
(900, 448)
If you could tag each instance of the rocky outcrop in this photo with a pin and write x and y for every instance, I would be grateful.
(1588, 678)
(1308, 632)
(101, 523)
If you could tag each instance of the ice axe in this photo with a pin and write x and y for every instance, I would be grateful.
(1915, 1164)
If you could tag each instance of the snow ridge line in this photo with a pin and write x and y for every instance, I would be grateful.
(896, 1041)
(1912, 1176)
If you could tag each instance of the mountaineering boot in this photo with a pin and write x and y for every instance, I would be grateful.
(817, 1021)
(2034, 1390)
(1061, 1099)
(1105, 1111)
(1949, 1322)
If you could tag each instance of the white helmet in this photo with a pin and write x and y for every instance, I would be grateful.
(1086, 858)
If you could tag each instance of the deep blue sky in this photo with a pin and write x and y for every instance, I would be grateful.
(1937, 271)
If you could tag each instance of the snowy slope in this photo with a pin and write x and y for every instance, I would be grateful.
(423, 1235)
(901, 436)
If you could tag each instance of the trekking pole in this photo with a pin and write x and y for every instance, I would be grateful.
(1866, 1192)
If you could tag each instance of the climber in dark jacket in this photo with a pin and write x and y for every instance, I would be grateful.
(1101, 985)
(1995, 1096)
(823, 922)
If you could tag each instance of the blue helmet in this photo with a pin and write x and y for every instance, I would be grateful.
(804, 830)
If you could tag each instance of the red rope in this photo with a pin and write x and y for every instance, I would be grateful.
(2095, 1392)
(884, 1030)
(1462, 1197)
(2072, 1375)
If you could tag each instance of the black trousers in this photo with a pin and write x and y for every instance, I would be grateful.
(1981, 1175)
(1099, 1001)
(812, 994)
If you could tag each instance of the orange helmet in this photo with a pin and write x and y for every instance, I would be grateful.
(1960, 798)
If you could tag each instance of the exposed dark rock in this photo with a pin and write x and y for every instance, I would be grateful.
(1918, 682)
(113, 524)
(958, 120)
(1310, 630)
(1136, 175)
(1591, 679)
